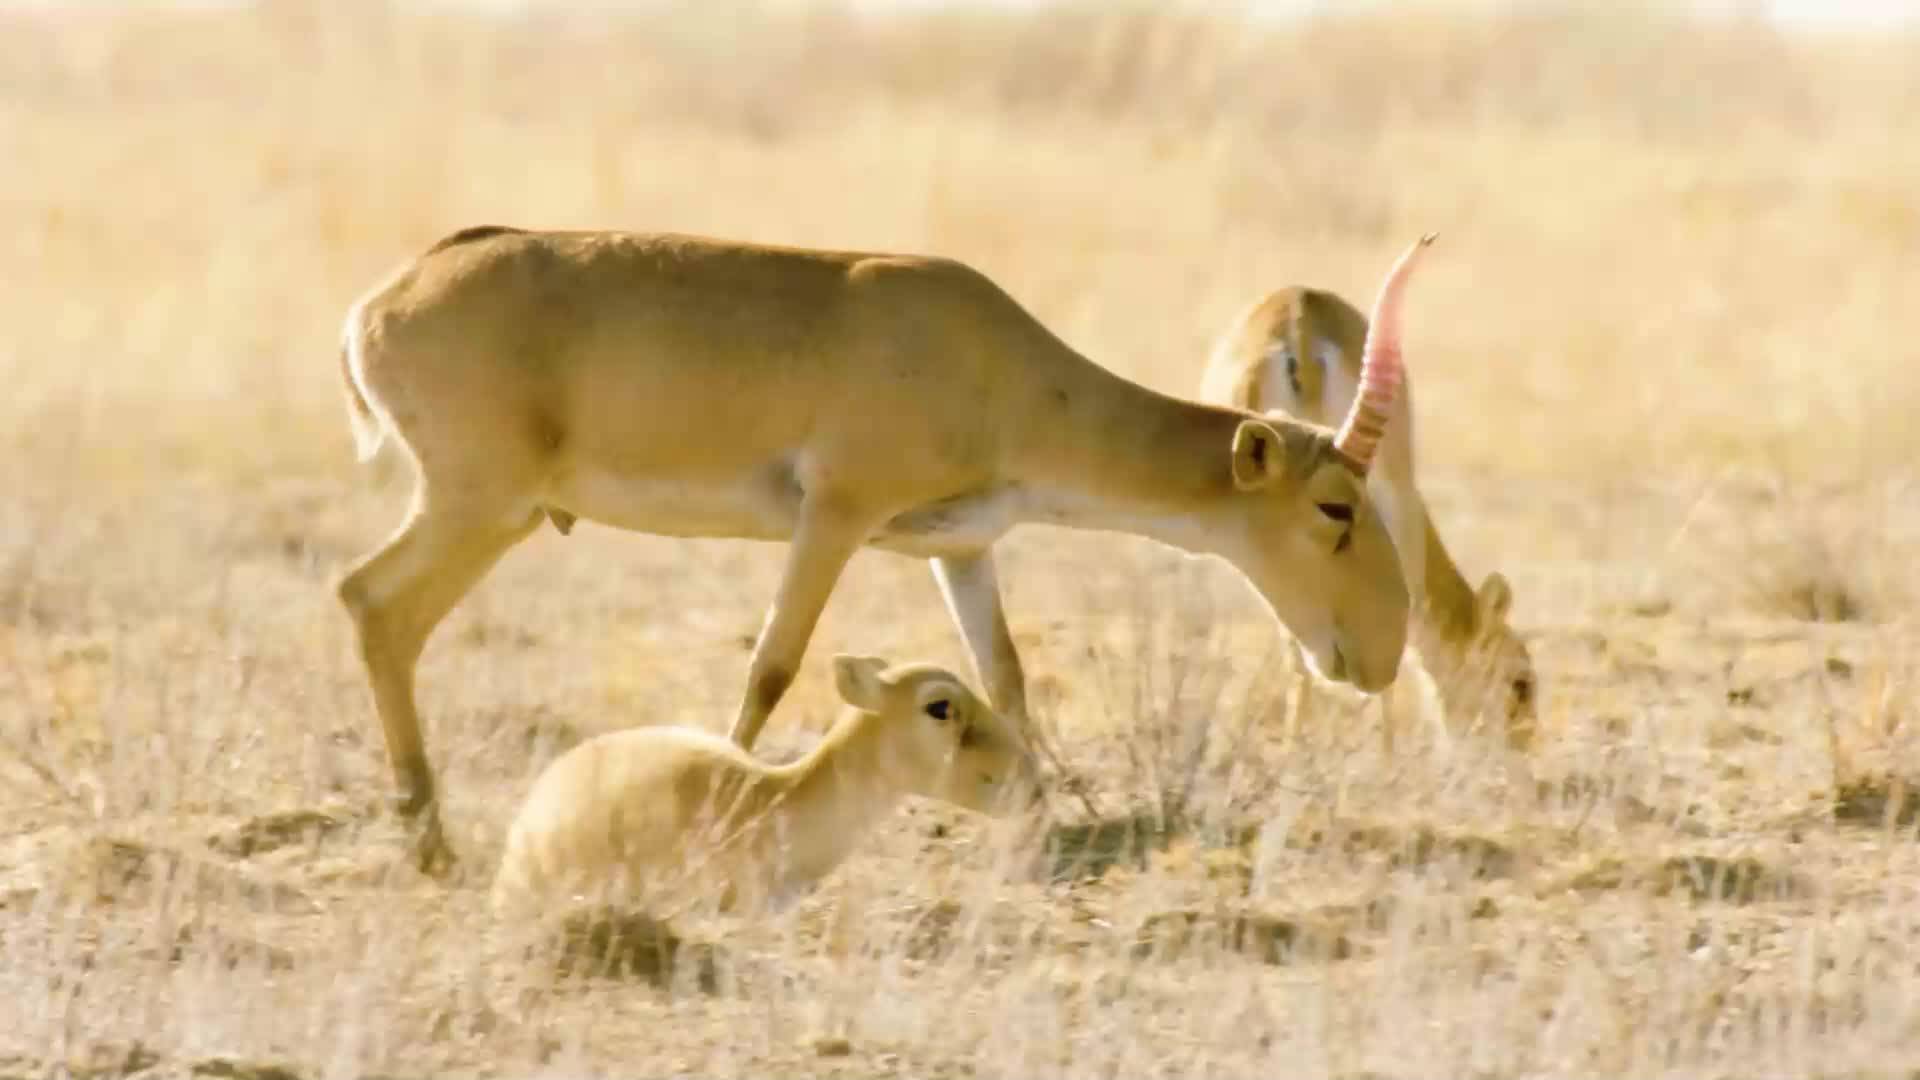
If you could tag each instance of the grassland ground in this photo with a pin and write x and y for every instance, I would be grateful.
(1661, 382)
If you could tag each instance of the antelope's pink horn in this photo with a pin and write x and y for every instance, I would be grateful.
(1381, 370)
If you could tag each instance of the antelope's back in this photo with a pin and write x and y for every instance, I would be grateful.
(1298, 349)
(622, 810)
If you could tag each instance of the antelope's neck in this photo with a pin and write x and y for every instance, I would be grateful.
(839, 789)
(1446, 614)
(1112, 455)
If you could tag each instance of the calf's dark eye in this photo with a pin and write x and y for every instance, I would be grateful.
(939, 710)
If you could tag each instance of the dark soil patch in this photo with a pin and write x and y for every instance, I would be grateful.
(1269, 939)
(1739, 880)
(223, 1068)
(942, 928)
(1085, 851)
(271, 832)
(612, 944)
(1418, 846)
(1879, 799)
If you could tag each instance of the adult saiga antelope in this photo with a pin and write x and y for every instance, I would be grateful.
(695, 387)
(1300, 349)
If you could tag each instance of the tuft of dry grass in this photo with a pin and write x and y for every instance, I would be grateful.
(1660, 385)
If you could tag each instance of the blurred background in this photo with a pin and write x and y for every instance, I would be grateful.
(1679, 238)
(1698, 225)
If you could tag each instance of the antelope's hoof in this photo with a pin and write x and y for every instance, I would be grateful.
(420, 812)
(431, 853)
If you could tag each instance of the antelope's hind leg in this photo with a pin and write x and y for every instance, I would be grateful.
(396, 597)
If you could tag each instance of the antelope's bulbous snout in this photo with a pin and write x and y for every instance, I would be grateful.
(1352, 621)
(1026, 791)
(1012, 789)
(1372, 671)
(1372, 628)
(1367, 666)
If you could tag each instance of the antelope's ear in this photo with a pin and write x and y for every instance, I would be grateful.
(858, 679)
(1259, 455)
(1495, 597)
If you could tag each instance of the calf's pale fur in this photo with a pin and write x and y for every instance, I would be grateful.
(662, 818)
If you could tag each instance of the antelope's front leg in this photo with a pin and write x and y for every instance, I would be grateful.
(972, 592)
(830, 531)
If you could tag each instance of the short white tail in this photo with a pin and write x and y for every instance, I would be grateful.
(368, 430)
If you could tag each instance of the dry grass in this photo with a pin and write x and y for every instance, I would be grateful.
(1662, 385)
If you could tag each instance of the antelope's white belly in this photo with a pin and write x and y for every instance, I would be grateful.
(758, 503)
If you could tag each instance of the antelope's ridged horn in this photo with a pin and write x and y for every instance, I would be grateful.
(1381, 369)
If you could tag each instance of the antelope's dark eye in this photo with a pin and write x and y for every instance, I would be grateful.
(939, 710)
(1523, 690)
(1339, 512)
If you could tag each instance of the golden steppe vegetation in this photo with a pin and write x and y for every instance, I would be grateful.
(1667, 382)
